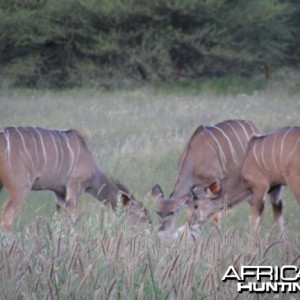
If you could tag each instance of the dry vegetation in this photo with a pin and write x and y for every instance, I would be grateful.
(137, 136)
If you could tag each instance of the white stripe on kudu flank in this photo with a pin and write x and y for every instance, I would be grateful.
(210, 145)
(37, 156)
(294, 148)
(282, 143)
(273, 153)
(221, 152)
(263, 154)
(244, 129)
(232, 150)
(61, 150)
(237, 136)
(255, 154)
(43, 145)
(6, 134)
(71, 152)
(78, 150)
(56, 150)
(25, 147)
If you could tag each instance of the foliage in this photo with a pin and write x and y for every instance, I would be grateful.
(74, 42)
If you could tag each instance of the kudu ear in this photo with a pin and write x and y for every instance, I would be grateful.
(157, 192)
(124, 199)
(184, 200)
(213, 190)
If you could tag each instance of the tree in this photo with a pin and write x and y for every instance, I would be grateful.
(46, 43)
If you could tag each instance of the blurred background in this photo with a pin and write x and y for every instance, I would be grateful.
(111, 43)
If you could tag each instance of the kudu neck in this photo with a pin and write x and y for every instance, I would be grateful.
(182, 187)
(235, 191)
(104, 190)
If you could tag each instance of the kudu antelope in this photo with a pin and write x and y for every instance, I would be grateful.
(210, 162)
(270, 162)
(33, 158)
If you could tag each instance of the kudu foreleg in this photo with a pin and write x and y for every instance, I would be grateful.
(257, 208)
(217, 218)
(73, 192)
(60, 200)
(11, 207)
(277, 207)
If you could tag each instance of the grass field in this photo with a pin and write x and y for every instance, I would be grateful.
(137, 136)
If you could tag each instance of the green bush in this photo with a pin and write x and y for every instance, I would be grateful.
(53, 43)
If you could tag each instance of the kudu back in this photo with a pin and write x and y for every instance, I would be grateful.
(208, 165)
(33, 158)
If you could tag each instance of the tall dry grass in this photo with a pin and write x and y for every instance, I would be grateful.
(48, 260)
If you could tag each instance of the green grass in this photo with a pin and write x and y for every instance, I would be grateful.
(227, 85)
(137, 136)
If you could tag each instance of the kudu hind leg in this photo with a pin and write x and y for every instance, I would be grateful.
(62, 208)
(293, 182)
(277, 207)
(11, 207)
(257, 208)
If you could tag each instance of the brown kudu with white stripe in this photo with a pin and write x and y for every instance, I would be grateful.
(33, 158)
(210, 163)
(272, 161)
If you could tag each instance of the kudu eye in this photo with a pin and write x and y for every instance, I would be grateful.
(195, 197)
(159, 213)
(171, 213)
(195, 206)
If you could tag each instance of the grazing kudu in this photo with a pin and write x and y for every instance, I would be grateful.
(272, 161)
(33, 158)
(209, 163)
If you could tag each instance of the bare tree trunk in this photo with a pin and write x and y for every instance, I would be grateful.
(268, 71)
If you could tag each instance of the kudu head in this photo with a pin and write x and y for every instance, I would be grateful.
(135, 211)
(201, 203)
(213, 200)
(206, 202)
(167, 209)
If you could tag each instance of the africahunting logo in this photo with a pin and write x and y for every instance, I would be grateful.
(265, 279)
